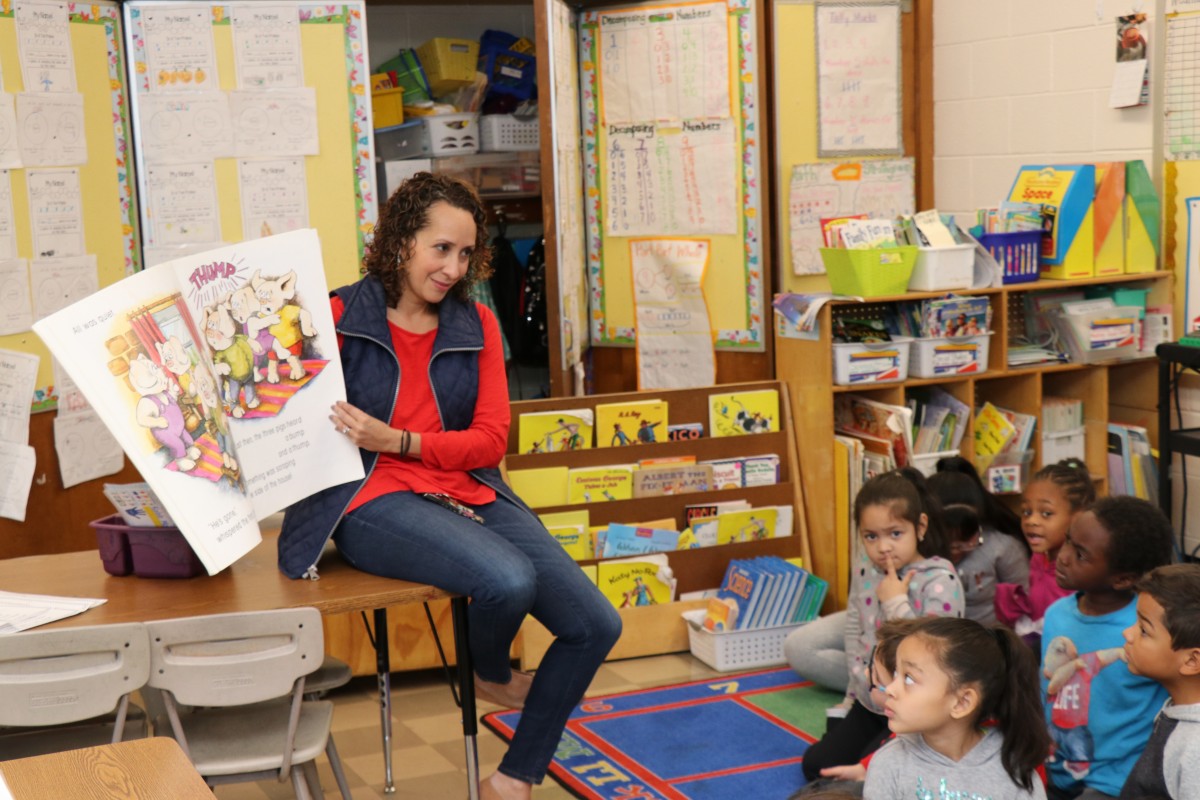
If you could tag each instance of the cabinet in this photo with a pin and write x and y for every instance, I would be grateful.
(1121, 391)
(659, 629)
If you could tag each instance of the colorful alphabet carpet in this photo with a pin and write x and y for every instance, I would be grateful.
(736, 736)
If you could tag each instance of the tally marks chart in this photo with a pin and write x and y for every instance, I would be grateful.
(670, 116)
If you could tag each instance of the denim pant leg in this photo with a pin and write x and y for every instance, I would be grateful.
(585, 626)
(817, 651)
(402, 535)
(508, 567)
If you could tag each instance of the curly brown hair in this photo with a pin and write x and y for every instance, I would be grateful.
(405, 213)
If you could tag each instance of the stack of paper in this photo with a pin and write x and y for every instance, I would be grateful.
(20, 612)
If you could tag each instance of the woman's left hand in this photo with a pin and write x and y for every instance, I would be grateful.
(364, 430)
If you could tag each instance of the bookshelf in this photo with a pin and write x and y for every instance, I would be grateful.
(1117, 391)
(652, 630)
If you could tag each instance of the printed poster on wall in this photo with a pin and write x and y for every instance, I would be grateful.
(858, 79)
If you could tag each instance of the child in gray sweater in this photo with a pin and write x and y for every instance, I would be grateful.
(951, 676)
(1164, 644)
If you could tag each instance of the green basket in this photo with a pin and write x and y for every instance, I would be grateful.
(869, 273)
(409, 76)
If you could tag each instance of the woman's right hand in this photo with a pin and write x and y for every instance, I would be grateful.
(365, 431)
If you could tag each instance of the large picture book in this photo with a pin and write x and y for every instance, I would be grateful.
(216, 373)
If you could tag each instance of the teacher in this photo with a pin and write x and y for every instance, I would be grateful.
(428, 408)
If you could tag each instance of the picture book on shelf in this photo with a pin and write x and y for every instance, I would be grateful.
(685, 431)
(751, 525)
(628, 540)
(216, 372)
(600, 484)
(665, 479)
(541, 486)
(993, 432)
(726, 473)
(633, 422)
(760, 470)
(885, 429)
(740, 413)
(642, 581)
(696, 511)
(555, 431)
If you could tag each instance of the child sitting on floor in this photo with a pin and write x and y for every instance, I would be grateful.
(849, 779)
(1164, 645)
(903, 574)
(1106, 552)
(1057, 494)
(952, 675)
(982, 556)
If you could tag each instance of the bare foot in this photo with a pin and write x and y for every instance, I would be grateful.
(510, 695)
(501, 787)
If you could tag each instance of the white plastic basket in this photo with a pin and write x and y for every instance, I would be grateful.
(939, 268)
(955, 355)
(862, 363)
(1066, 444)
(926, 463)
(736, 650)
(505, 133)
(451, 134)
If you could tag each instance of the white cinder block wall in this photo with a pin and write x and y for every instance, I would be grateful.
(1025, 82)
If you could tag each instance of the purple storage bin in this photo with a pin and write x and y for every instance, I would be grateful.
(1018, 254)
(114, 545)
(151, 552)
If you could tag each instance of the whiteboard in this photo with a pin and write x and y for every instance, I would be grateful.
(859, 108)
(881, 188)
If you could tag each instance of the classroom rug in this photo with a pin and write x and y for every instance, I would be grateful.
(733, 737)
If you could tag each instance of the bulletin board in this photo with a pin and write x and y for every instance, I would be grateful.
(733, 286)
(1180, 148)
(340, 179)
(107, 191)
(566, 234)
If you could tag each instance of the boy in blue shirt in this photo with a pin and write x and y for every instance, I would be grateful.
(1165, 645)
(1108, 549)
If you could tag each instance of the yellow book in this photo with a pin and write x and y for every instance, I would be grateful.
(634, 422)
(992, 432)
(841, 514)
(590, 571)
(541, 487)
(599, 484)
(576, 516)
(575, 540)
(555, 431)
(641, 581)
(746, 526)
(740, 413)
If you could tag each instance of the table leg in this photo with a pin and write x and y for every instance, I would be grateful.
(466, 689)
(384, 670)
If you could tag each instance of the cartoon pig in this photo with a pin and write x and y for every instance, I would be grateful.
(158, 412)
(289, 323)
(233, 357)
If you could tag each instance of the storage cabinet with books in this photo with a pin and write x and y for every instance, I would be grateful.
(1110, 391)
(659, 628)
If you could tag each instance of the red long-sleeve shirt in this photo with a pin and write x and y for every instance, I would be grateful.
(446, 456)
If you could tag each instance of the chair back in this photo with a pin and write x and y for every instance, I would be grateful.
(235, 659)
(70, 674)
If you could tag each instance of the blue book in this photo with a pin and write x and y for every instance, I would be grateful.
(627, 540)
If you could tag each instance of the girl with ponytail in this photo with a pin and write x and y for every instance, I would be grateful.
(952, 676)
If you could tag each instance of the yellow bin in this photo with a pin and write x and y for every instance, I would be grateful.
(387, 107)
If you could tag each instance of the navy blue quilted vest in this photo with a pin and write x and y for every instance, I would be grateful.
(372, 381)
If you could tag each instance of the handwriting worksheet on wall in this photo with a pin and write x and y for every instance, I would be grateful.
(858, 79)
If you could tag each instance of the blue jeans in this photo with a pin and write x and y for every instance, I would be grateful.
(509, 567)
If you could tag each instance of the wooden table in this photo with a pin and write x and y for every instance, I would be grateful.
(141, 769)
(253, 583)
